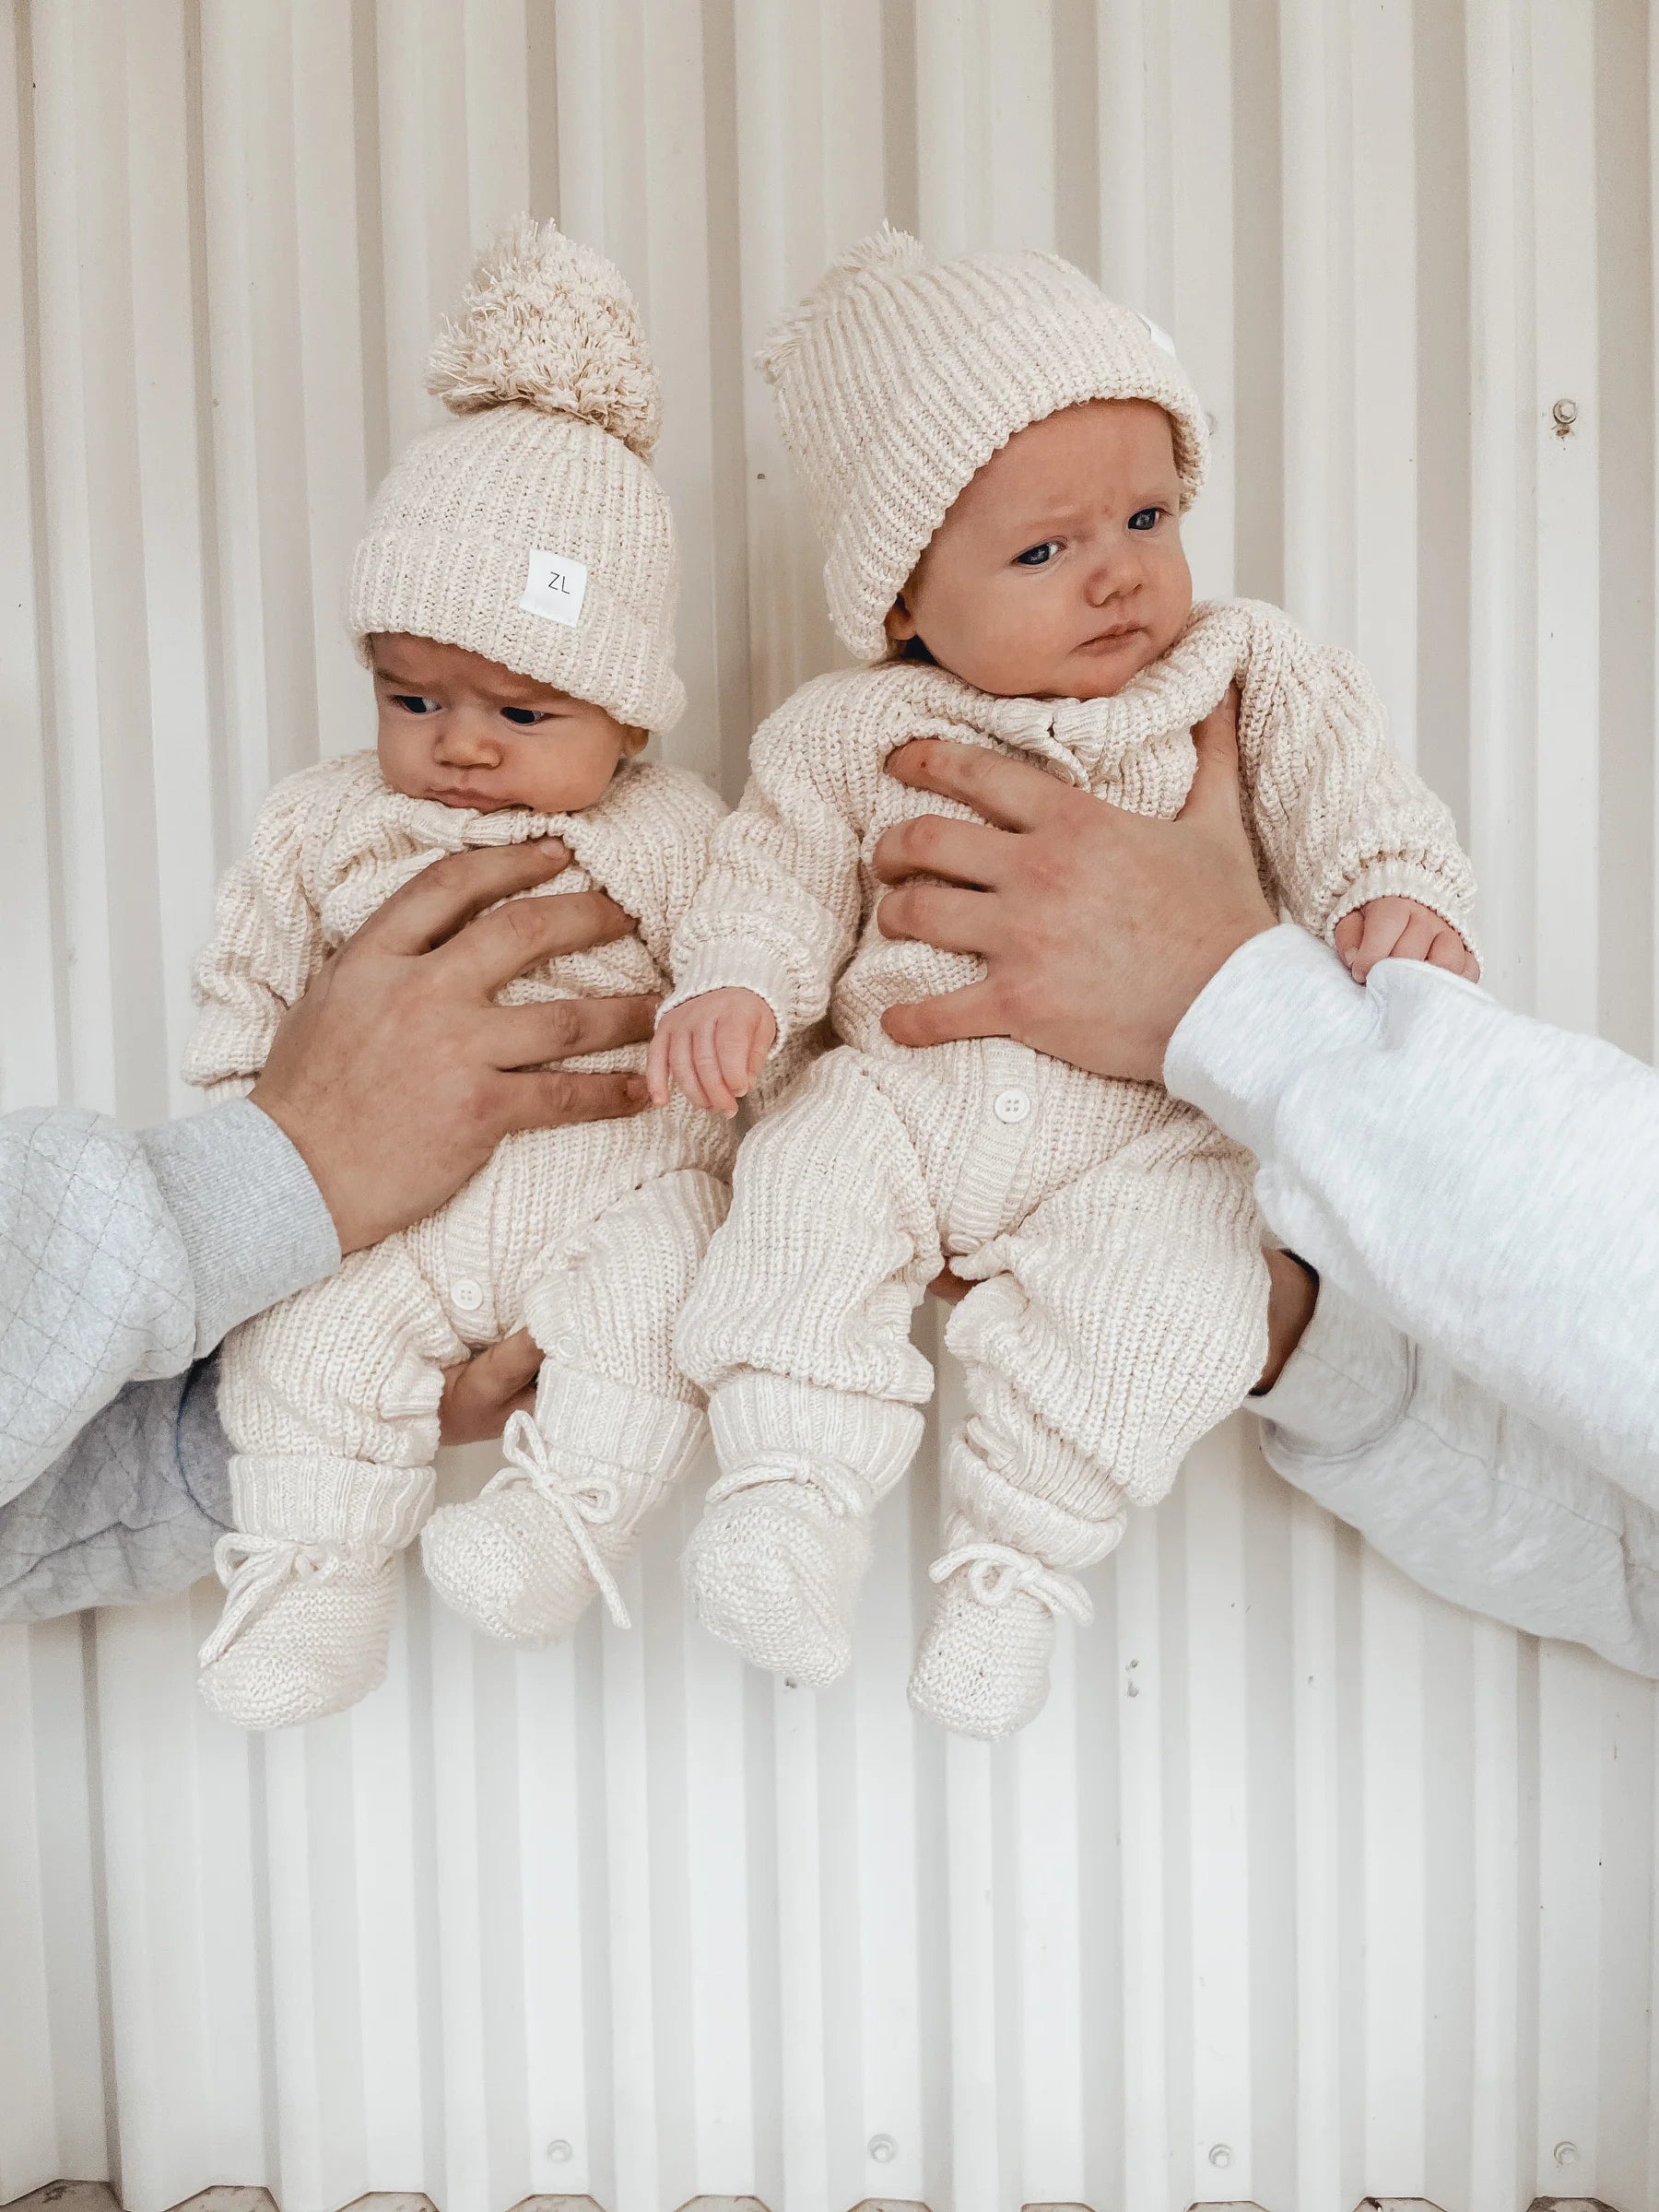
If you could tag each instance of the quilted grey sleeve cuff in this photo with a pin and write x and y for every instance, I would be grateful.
(252, 1220)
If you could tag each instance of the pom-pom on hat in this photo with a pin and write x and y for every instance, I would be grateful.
(898, 376)
(531, 529)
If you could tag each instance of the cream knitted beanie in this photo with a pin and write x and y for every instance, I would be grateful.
(898, 377)
(531, 530)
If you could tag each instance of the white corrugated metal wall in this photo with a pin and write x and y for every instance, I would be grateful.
(1305, 1885)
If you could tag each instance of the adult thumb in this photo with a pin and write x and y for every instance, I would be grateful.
(1214, 787)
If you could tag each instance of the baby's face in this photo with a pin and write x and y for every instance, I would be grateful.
(1059, 571)
(468, 732)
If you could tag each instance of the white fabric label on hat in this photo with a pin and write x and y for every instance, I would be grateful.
(556, 586)
(1157, 336)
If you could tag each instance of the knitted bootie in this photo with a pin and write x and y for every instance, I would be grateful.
(983, 1665)
(775, 1563)
(522, 1559)
(309, 1585)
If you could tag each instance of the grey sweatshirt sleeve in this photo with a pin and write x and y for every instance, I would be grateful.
(125, 1258)
(1475, 1502)
(1484, 1182)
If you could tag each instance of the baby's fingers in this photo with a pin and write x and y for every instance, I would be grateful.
(1417, 938)
(1384, 921)
(705, 1058)
(1350, 931)
(1449, 950)
(682, 1061)
(658, 1079)
(733, 1045)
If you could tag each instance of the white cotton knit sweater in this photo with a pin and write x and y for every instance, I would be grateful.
(333, 842)
(589, 1235)
(788, 907)
(1119, 1300)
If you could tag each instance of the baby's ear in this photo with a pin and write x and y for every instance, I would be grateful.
(634, 741)
(900, 623)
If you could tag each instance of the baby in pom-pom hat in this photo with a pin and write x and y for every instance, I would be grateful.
(514, 598)
(997, 458)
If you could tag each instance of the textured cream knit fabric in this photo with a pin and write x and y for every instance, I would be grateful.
(549, 377)
(590, 1235)
(1121, 1303)
(898, 376)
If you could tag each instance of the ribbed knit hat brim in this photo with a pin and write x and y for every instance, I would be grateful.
(899, 377)
(447, 555)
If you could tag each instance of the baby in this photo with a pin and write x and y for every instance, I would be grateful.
(998, 459)
(515, 597)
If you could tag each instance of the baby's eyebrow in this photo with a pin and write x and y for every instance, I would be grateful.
(1064, 510)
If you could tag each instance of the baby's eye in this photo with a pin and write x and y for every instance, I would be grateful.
(526, 717)
(1038, 556)
(1147, 519)
(412, 703)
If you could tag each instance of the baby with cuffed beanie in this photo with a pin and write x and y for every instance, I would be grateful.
(514, 598)
(998, 459)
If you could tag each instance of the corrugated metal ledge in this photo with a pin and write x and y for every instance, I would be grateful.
(98, 2196)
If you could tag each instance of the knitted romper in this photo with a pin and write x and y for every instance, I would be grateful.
(588, 1235)
(1121, 1297)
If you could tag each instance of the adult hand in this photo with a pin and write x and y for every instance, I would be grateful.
(1293, 1294)
(1098, 928)
(397, 1075)
(481, 1392)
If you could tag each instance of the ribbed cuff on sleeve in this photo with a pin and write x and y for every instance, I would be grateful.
(252, 1220)
(733, 963)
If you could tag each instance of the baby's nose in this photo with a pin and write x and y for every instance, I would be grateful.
(469, 739)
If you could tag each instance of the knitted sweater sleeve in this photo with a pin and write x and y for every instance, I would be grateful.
(652, 852)
(779, 911)
(267, 944)
(1338, 816)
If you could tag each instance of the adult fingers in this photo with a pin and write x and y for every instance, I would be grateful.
(973, 1011)
(1010, 795)
(550, 1099)
(563, 1029)
(523, 934)
(1214, 787)
(938, 914)
(515, 1361)
(933, 844)
(445, 897)
(480, 1392)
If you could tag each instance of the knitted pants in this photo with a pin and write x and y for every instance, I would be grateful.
(589, 1236)
(1120, 1301)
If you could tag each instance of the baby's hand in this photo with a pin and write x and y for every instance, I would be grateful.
(713, 1046)
(1399, 929)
